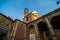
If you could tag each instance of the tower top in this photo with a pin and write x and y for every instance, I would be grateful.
(26, 8)
(25, 11)
(35, 13)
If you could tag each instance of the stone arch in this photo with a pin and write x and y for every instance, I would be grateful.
(32, 32)
(55, 21)
(44, 31)
(42, 26)
(31, 26)
(3, 36)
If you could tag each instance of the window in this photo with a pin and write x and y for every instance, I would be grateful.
(4, 20)
(7, 24)
(11, 29)
(0, 21)
(26, 18)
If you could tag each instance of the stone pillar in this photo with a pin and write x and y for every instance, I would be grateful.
(8, 35)
(51, 30)
(15, 25)
(37, 35)
(27, 32)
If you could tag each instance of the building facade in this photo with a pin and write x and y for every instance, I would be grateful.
(32, 27)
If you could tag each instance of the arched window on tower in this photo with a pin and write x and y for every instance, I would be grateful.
(26, 18)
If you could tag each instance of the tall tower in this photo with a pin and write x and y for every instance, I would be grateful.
(25, 15)
(25, 11)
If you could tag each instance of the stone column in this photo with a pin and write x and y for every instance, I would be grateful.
(8, 34)
(37, 35)
(15, 25)
(51, 30)
(27, 32)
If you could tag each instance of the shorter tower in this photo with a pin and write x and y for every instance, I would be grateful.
(35, 15)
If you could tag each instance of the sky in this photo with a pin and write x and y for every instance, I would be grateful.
(15, 8)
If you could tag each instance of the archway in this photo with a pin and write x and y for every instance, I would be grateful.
(32, 32)
(55, 21)
(3, 36)
(44, 31)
